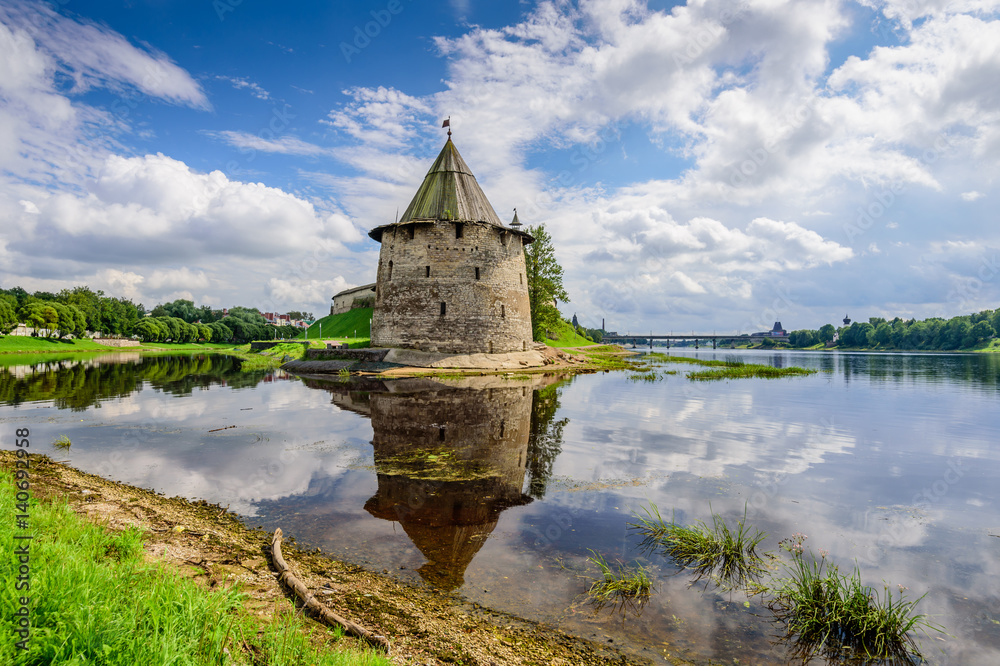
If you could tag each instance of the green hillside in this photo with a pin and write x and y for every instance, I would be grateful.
(566, 336)
(354, 326)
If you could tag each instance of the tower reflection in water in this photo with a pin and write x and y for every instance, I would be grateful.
(450, 458)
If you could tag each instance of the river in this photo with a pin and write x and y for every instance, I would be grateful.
(500, 489)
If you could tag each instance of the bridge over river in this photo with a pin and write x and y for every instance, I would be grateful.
(643, 339)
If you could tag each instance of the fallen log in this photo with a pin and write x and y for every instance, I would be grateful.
(310, 601)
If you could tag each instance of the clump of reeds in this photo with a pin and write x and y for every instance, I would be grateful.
(727, 556)
(648, 376)
(627, 585)
(827, 612)
(748, 370)
(62, 443)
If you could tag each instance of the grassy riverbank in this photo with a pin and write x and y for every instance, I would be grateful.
(78, 571)
(566, 336)
(22, 344)
(202, 549)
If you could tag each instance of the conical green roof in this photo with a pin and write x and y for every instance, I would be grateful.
(449, 193)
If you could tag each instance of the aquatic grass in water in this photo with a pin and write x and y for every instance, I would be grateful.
(627, 585)
(748, 370)
(62, 443)
(835, 615)
(728, 557)
(648, 376)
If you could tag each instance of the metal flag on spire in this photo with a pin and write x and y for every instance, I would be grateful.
(515, 222)
(447, 123)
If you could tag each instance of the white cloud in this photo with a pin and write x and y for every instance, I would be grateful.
(157, 206)
(95, 56)
(241, 83)
(972, 196)
(179, 278)
(379, 117)
(285, 145)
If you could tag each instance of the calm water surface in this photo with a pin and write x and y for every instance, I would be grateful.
(496, 490)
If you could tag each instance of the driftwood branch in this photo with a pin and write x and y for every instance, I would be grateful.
(312, 603)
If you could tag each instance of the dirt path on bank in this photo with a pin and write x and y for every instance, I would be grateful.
(211, 546)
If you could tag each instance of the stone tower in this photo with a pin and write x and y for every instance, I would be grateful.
(451, 275)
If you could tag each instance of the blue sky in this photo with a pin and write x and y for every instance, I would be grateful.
(702, 166)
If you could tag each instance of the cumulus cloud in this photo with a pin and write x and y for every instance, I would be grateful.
(747, 94)
(779, 148)
(158, 207)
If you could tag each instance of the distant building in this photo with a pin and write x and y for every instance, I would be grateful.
(776, 332)
(847, 320)
(346, 299)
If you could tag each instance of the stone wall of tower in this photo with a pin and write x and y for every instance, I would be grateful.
(477, 273)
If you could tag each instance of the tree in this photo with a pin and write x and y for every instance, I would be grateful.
(39, 314)
(545, 285)
(295, 314)
(8, 317)
(148, 330)
(982, 331)
(826, 333)
(883, 334)
(182, 309)
(221, 332)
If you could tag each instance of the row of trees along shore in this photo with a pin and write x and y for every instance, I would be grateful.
(74, 312)
(962, 332)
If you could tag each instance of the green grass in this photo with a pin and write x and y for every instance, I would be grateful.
(353, 326)
(626, 585)
(180, 346)
(41, 349)
(826, 612)
(733, 367)
(296, 350)
(726, 556)
(93, 600)
(12, 344)
(610, 357)
(747, 371)
(566, 336)
(647, 376)
(63, 442)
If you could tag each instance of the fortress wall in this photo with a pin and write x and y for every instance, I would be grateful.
(490, 314)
